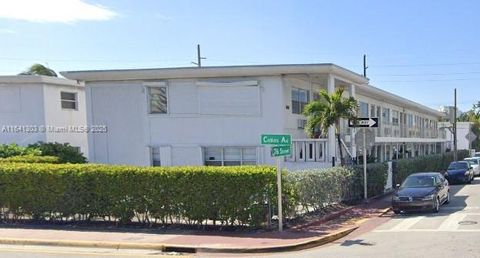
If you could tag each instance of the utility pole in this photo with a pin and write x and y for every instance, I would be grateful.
(199, 57)
(365, 67)
(455, 125)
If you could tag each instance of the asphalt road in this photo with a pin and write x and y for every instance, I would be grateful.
(453, 232)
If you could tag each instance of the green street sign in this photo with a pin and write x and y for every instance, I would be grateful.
(278, 151)
(276, 139)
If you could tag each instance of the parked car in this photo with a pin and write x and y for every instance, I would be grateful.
(459, 171)
(474, 162)
(421, 191)
(477, 154)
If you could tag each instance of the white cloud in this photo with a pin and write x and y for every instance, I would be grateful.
(61, 11)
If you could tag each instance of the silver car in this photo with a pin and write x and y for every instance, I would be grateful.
(474, 162)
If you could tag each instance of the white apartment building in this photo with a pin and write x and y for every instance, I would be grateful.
(41, 108)
(216, 115)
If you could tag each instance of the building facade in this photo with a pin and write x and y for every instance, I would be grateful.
(216, 115)
(40, 108)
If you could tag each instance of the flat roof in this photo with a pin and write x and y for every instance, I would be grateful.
(213, 71)
(37, 79)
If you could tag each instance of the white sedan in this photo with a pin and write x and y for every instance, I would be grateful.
(474, 163)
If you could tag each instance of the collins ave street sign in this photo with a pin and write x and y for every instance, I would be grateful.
(363, 122)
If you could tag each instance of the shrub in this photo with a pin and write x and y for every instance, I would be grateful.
(376, 180)
(316, 188)
(193, 195)
(10, 150)
(429, 163)
(31, 159)
(64, 151)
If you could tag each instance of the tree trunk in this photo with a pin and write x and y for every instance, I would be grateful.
(340, 146)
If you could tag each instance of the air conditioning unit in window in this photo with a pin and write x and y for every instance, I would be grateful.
(301, 123)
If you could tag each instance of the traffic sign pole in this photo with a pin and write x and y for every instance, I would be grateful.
(281, 146)
(279, 195)
(364, 164)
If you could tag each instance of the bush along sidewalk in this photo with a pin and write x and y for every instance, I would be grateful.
(429, 163)
(31, 159)
(188, 195)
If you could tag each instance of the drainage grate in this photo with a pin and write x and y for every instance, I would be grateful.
(467, 222)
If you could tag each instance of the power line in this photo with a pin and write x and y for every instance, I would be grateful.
(426, 74)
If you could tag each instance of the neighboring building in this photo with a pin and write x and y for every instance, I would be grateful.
(215, 115)
(464, 131)
(41, 108)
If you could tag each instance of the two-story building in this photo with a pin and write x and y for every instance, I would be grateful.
(41, 108)
(216, 115)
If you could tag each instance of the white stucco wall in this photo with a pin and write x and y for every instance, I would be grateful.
(56, 116)
(21, 105)
(181, 133)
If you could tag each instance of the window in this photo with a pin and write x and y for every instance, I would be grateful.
(300, 98)
(372, 111)
(386, 115)
(363, 109)
(157, 98)
(156, 156)
(410, 120)
(394, 117)
(230, 156)
(68, 100)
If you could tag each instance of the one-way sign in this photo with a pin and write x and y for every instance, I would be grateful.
(363, 122)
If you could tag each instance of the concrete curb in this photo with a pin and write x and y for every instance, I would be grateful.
(318, 241)
(182, 248)
(90, 244)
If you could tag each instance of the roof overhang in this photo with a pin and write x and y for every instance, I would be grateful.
(213, 71)
(37, 79)
(375, 92)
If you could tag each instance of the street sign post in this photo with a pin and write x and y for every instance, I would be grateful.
(281, 147)
(364, 122)
(282, 150)
(276, 139)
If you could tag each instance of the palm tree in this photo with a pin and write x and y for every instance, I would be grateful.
(327, 111)
(38, 69)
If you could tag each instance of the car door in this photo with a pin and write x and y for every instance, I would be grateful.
(443, 190)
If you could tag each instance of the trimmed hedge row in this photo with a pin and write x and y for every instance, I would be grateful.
(31, 159)
(429, 163)
(192, 195)
(314, 189)
(376, 180)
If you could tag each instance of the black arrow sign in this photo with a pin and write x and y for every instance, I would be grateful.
(363, 122)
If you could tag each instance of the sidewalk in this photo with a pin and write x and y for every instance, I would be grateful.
(311, 234)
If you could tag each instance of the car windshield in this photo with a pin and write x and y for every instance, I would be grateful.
(419, 181)
(472, 161)
(458, 165)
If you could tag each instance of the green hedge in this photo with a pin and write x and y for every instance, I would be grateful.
(228, 195)
(429, 163)
(314, 189)
(31, 159)
(10, 150)
(376, 180)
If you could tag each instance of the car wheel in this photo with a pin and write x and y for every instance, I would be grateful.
(447, 201)
(436, 205)
(396, 211)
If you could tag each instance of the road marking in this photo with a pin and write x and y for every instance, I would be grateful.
(451, 222)
(407, 223)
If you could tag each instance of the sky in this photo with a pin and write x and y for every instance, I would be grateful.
(420, 50)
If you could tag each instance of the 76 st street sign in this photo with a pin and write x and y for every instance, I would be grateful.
(363, 122)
